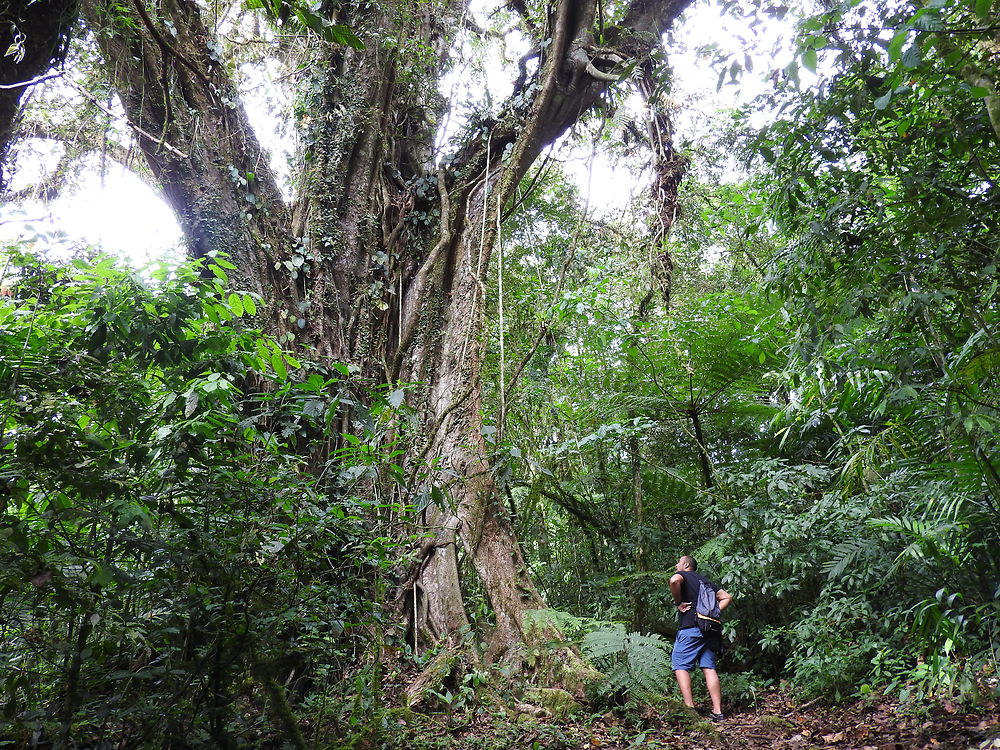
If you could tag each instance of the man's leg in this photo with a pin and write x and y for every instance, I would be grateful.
(684, 683)
(714, 688)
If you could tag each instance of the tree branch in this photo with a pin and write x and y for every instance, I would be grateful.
(571, 505)
(167, 49)
(32, 82)
(136, 128)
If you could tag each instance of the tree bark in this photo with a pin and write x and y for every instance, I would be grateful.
(194, 134)
(699, 438)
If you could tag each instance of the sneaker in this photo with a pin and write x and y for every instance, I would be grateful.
(717, 717)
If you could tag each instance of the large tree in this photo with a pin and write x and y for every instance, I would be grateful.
(381, 257)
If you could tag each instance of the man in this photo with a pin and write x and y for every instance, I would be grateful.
(690, 646)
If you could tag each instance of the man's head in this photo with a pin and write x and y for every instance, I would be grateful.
(686, 562)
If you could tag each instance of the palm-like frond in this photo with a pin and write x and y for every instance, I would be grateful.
(632, 662)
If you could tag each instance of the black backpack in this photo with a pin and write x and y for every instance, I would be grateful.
(709, 617)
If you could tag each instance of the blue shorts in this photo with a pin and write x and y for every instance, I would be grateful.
(689, 647)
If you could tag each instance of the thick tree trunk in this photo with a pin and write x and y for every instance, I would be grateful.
(669, 168)
(568, 85)
(392, 274)
(193, 131)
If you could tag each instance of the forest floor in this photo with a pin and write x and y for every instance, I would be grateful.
(776, 722)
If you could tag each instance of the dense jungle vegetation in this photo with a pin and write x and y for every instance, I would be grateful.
(415, 435)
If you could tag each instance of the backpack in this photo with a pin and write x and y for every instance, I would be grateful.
(709, 617)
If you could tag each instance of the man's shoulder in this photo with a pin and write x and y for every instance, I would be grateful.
(697, 577)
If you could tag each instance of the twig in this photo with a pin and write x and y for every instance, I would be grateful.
(32, 82)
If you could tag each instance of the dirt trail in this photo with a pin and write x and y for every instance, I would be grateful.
(778, 723)
(775, 722)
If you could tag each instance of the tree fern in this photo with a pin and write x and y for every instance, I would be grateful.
(634, 663)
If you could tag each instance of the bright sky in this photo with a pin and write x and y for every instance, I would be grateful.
(122, 214)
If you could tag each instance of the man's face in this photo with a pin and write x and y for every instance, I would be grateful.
(680, 565)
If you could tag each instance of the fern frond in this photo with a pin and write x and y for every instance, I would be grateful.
(715, 548)
(647, 657)
(844, 556)
(632, 662)
(604, 643)
(568, 624)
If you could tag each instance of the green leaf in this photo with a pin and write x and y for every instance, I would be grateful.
(883, 101)
(262, 351)
(818, 41)
(278, 363)
(249, 306)
(896, 45)
(236, 304)
(983, 8)
(219, 273)
(792, 71)
(912, 57)
(191, 404)
(809, 59)
(213, 314)
(340, 34)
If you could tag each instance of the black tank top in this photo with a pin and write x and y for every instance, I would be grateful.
(689, 593)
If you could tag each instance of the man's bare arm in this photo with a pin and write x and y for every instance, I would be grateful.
(675, 587)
